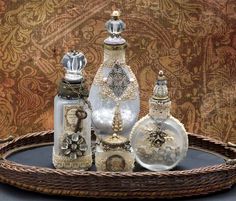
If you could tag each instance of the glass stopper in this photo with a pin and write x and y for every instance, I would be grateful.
(74, 62)
(115, 26)
(160, 91)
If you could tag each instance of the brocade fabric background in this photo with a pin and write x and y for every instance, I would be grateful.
(193, 41)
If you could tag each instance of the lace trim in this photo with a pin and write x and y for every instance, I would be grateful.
(62, 162)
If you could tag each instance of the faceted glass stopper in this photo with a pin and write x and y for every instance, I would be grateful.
(115, 27)
(74, 62)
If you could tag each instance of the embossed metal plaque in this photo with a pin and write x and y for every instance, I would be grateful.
(118, 80)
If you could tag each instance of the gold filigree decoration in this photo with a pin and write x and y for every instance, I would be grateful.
(117, 123)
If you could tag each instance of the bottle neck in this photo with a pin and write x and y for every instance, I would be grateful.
(71, 91)
(113, 54)
(159, 109)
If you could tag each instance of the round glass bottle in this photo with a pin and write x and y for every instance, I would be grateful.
(159, 141)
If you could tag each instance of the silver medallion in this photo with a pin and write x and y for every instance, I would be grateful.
(118, 80)
(74, 146)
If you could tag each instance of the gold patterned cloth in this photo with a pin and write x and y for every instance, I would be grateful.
(194, 42)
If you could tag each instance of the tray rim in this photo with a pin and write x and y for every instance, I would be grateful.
(16, 167)
(13, 151)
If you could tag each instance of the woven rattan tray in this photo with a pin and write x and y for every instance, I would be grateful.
(167, 184)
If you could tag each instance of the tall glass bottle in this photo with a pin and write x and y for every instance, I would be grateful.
(72, 117)
(159, 140)
(115, 86)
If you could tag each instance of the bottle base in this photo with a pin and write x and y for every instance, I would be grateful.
(81, 163)
(114, 161)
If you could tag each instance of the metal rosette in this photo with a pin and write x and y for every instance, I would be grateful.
(73, 146)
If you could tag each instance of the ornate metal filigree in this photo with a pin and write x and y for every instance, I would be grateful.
(157, 137)
(118, 80)
(117, 123)
(130, 93)
(74, 146)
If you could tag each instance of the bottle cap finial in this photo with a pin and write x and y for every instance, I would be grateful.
(161, 75)
(160, 91)
(115, 13)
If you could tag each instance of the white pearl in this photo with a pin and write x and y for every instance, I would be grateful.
(104, 79)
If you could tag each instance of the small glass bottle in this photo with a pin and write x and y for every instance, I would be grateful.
(72, 117)
(114, 83)
(159, 140)
(113, 153)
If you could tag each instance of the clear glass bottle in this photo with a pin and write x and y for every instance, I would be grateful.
(114, 84)
(72, 117)
(159, 141)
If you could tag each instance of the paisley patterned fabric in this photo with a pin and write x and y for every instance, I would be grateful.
(193, 41)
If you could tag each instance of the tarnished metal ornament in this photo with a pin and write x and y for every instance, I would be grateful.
(74, 146)
(157, 137)
(83, 147)
(118, 80)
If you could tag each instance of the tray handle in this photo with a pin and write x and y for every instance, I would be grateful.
(8, 139)
(231, 144)
(231, 161)
(2, 141)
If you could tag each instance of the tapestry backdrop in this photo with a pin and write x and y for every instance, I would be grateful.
(193, 41)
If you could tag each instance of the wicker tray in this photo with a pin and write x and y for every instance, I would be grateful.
(167, 184)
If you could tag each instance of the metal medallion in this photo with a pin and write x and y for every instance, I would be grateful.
(115, 163)
(118, 80)
(157, 137)
(74, 146)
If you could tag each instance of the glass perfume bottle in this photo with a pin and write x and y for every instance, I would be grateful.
(72, 117)
(159, 141)
(114, 83)
(113, 153)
